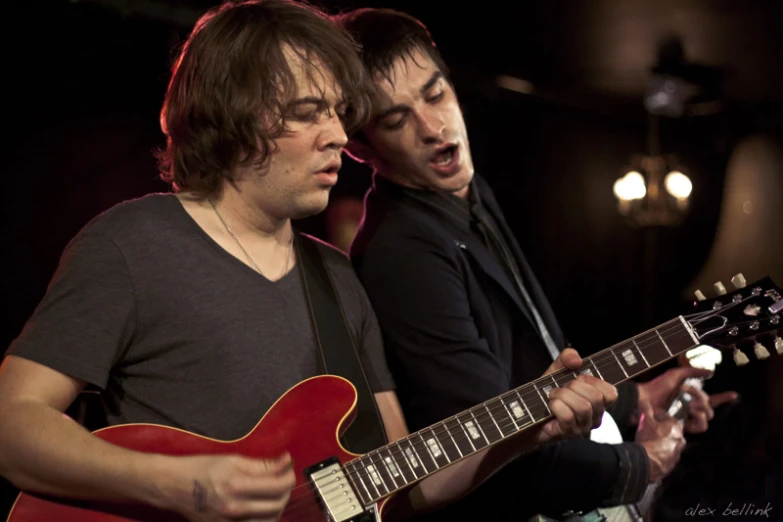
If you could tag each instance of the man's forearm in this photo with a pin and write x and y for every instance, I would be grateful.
(43, 451)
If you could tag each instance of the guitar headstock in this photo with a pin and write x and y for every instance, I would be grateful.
(750, 316)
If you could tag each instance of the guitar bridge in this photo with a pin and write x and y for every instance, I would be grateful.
(335, 493)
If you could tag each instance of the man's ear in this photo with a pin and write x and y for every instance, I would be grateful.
(360, 151)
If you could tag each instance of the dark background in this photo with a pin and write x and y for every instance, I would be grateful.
(84, 82)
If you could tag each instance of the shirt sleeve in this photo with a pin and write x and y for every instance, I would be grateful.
(581, 475)
(87, 315)
(371, 351)
(572, 476)
(633, 475)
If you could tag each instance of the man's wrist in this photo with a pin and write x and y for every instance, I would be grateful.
(161, 482)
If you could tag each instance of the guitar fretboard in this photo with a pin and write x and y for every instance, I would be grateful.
(381, 472)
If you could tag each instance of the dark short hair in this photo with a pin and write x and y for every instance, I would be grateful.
(384, 35)
(230, 84)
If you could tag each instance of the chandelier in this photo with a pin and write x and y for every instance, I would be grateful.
(654, 191)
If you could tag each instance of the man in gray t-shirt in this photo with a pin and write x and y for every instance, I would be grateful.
(187, 310)
(176, 331)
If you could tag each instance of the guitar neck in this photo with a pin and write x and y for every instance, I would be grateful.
(383, 471)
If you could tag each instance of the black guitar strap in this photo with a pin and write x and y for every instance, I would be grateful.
(337, 347)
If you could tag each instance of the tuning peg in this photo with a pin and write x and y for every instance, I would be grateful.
(779, 345)
(740, 359)
(699, 295)
(739, 281)
(760, 351)
(720, 288)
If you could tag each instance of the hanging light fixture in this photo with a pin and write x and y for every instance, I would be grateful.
(654, 190)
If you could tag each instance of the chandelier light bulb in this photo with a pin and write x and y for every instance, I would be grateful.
(678, 185)
(629, 187)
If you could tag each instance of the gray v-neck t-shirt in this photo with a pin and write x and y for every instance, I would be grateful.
(176, 331)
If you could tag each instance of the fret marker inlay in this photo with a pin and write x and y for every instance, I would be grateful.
(434, 448)
(474, 433)
(392, 466)
(374, 475)
(516, 409)
(629, 357)
(414, 462)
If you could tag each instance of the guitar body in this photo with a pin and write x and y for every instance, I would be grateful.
(306, 422)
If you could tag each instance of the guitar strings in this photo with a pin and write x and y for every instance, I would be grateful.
(429, 462)
(596, 359)
(539, 410)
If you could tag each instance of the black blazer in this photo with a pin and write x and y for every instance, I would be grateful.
(457, 333)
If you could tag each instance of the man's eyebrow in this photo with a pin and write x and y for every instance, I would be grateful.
(391, 110)
(436, 76)
(320, 103)
(306, 100)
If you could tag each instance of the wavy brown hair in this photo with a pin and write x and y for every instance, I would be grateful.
(230, 85)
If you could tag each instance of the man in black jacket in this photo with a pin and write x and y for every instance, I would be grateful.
(463, 317)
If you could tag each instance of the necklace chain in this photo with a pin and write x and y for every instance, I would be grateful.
(239, 244)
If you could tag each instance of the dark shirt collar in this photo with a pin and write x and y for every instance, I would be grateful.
(454, 208)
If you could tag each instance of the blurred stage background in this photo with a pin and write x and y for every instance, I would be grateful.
(553, 94)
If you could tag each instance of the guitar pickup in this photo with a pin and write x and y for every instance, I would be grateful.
(335, 493)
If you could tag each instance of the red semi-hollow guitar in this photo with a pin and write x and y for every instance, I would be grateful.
(334, 484)
(304, 422)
